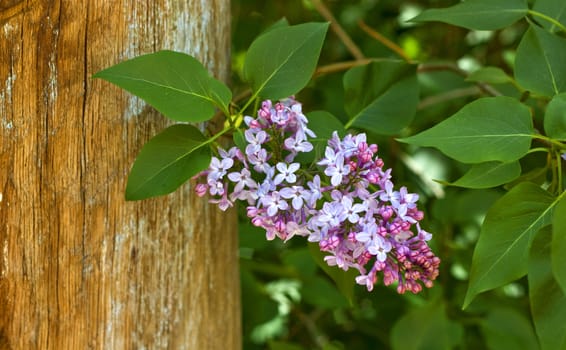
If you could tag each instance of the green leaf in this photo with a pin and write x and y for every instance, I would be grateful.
(345, 280)
(505, 328)
(426, 328)
(489, 174)
(281, 62)
(558, 251)
(548, 301)
(317, 291)
(478, 14)
(488, 129)
(551, 8)
(372, 94)
(501, 253)
(555, 117)
(167, 161)
(539, 63)
(490, 75)
(176, 84)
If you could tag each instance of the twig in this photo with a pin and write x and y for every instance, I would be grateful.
(432, 67)
(388, 43)
(449, 95)
(337, 28)
(340, 66)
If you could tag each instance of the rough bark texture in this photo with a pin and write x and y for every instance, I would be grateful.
(80, 268)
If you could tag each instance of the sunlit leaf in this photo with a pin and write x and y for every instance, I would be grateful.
(175, 83)
(382, 96)
(548, 301)
(478, 14)
(167, 161)
(539, 63)
(489, 174)
(281, 62)
(558, 251)
(501, 253)
(488, 129)
(555, 117)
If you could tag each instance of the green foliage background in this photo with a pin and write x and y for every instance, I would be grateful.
(289, 302)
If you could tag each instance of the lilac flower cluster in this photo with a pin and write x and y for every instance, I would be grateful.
(347, 204)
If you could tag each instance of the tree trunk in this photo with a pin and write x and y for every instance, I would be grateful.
(80, 268)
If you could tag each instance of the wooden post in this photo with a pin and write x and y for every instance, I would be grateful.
(80, 268)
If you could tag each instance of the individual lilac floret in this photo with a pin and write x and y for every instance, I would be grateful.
(348, 205)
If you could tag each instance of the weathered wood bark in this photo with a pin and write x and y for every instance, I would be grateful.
(80, 268)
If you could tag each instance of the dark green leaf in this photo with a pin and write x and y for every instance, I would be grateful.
(505, 328)
(301, 259)
(555, 117)
(490, 174)
(558, 250)
(382, 96)
(345, 280)
(501, 253)
(317, 291)
(539, 63)
(553, 9)
(174, 83)
(490, 75)
(478, 14)
(281, 62)
(167, 161)
(548, 301)
(426, 328)
(488, 129)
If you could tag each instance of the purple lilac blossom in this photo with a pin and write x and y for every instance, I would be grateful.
(348, 205)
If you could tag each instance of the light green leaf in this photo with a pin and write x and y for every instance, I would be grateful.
(505, 328)
(553, 9)
(478, 14)
(426, 328)
(548, 301)
(281, 62)
(555, 117)
(501, 253)
(539, 63)
(490, 75)
(373, 93)
(558, 251)
(176, 84)
(488, 129)
(489, 174)
(167, 161)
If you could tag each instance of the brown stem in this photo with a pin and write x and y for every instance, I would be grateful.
(340, 66)
(337, 28)
(449, 95)
(388, 43)
(433, 67)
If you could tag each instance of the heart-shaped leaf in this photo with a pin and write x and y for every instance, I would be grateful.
(488, 129)
(176, 84)
(167, 161)
(280, 62)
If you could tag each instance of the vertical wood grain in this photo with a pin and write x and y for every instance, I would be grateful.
(80, 268)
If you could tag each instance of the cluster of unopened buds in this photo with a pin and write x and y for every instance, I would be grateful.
(346, 202)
